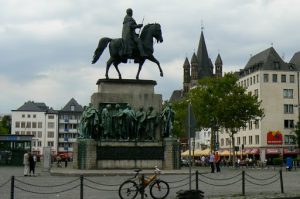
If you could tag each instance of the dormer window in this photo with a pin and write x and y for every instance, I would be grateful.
(276, 65)
(72, 108)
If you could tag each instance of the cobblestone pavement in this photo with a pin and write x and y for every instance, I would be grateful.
(63, 183)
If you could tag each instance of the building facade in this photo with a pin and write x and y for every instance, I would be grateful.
(68, 127)
(276, 83)
(38, 120)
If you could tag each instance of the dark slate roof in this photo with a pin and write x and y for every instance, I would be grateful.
(52, 111)
(186, 63)
(176, 95)
(296, 60)
(218, 60)
(33, 106)
(72, 102)
(265, 61)
(204, 62)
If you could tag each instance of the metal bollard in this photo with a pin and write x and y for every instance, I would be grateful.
(197, 180)
(142, 191)
(12, 187)
(243, 183)
(281, 181)
(81, 186)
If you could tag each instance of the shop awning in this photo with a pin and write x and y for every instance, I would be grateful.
(254, 151)
(273, 151)
(224, 152)
(247, 151)
(290, 152)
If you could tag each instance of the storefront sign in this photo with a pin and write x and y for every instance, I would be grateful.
(274, 137)
(272, 151)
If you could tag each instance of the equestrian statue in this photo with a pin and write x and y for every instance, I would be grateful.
(138, 47)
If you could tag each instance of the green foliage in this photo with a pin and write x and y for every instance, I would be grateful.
(180, 121)
(277, 161)
(5, 125)
(297, 134)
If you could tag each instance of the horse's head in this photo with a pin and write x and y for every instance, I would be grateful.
(154, 30)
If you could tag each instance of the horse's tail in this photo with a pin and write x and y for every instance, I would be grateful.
(100, 48)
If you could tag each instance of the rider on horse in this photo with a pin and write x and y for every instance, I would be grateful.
(129, 36)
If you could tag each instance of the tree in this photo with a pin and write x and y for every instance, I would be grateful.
(180, 121)
(5, 124)
(221, 103)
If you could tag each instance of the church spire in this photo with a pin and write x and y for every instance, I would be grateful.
(204, 63)
(219, 66)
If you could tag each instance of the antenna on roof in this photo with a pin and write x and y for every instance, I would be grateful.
(202, 26)
(272, 44)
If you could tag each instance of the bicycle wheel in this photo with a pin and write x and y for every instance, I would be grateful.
(159, 189)
(128, 190)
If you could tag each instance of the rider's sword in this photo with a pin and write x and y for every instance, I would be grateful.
(141, 28)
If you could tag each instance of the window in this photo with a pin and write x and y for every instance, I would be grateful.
(51, 125)
(250, 140)
(33, 143)
(257, 139)
(34, 115)
(257, 78)
(276, 65)
(250, 125)
(283, 78)
(256, 123)
(50, 116)
(39, 143)
(17, 132)
(253, 79)
(17, 124)
(274, 77)
(222, 142)
(28, 133)
(40, 125)
(256, 92)
(227, 141)
(250, 80)
(28, 125)
(22, 124)
(51, 144)
(292, 78)
(40, 134)
(266, 77)
(34, 133)
(289, 139)
(34, 125)
(50, 134)
(288, 108)
(287, 93)
(288, 123)
(238, 141)
(72, 108)
(23, 115)
(244, 140)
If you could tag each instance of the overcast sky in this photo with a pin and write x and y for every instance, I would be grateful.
(46, 47)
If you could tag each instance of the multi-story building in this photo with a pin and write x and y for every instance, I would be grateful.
(276, 83)
(38, 120)
(68, 128)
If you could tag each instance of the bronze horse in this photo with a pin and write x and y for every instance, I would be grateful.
(149, 32)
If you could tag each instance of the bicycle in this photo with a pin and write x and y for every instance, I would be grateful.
(159, 189)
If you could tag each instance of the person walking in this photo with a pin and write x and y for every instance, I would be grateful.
(212, 162)
(217, 160)
(26, 163)
(31, 165)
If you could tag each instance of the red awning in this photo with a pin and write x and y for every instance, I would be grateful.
(255, 151)
(273, 151)
(247, 151)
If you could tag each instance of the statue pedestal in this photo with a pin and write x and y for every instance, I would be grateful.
(137, 93)
(171, 153)
(86, 150)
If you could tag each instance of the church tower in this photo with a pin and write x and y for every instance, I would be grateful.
(194, 71)
(186, 76)
(219, 66)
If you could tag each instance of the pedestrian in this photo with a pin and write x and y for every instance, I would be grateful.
(212, 162)
(26, 163)
(31, 165)
(217, 161)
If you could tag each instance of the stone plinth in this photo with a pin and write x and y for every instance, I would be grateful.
(138, 93)
(86, 154)
(171, 153)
